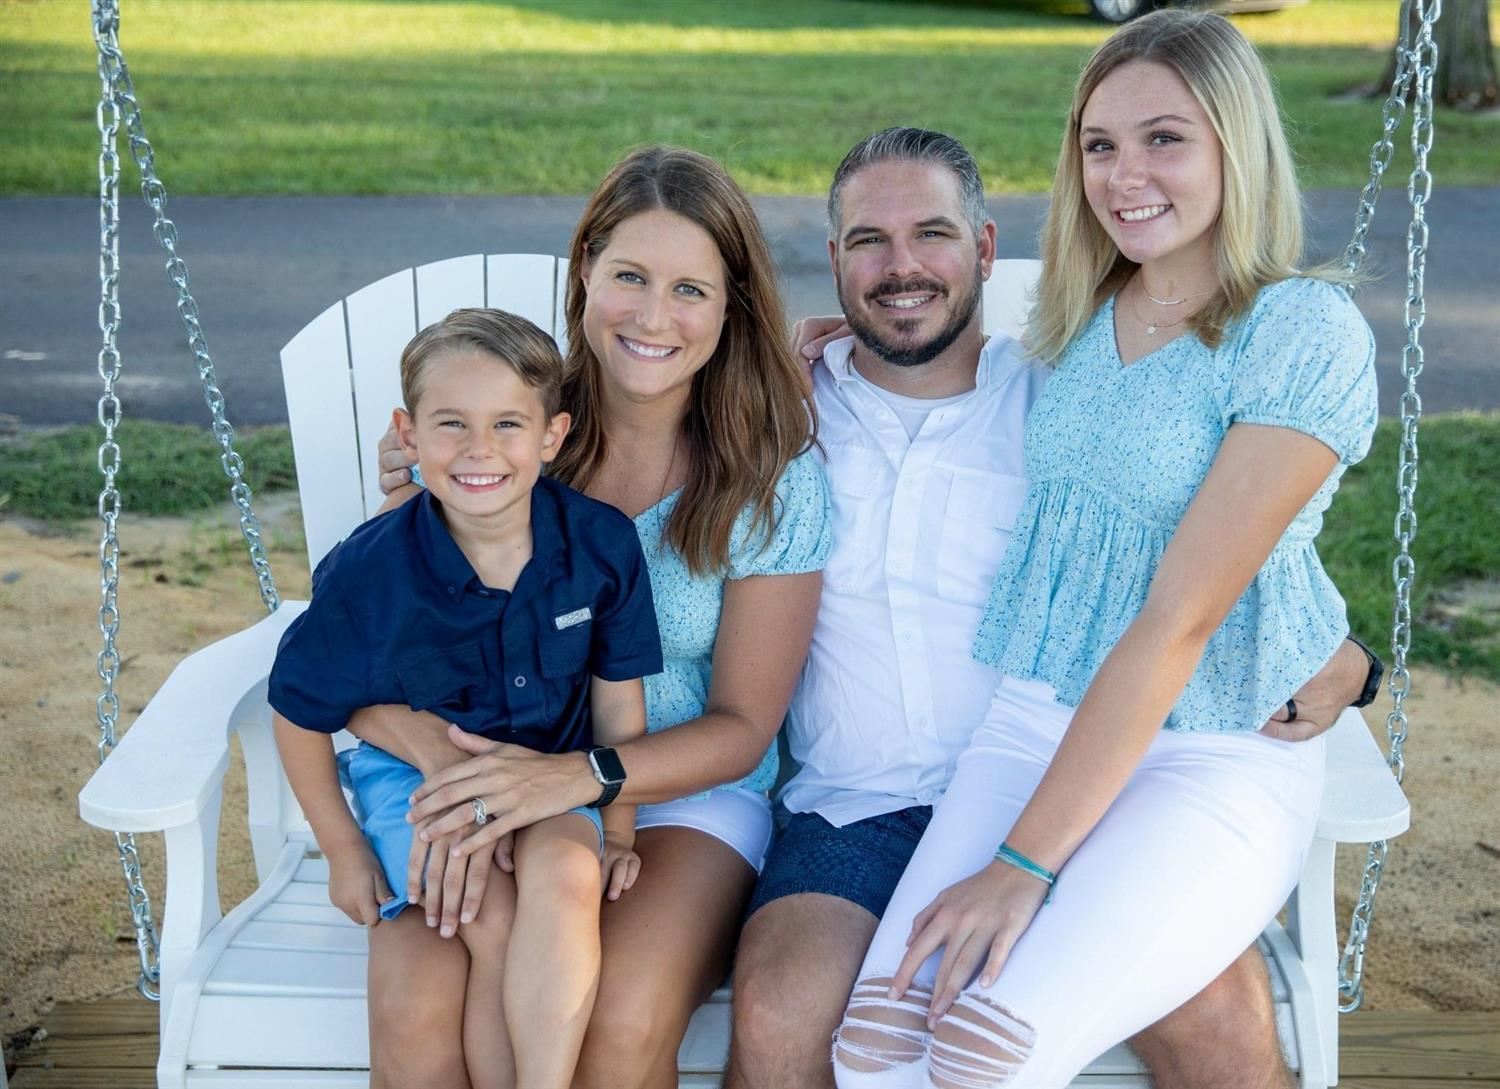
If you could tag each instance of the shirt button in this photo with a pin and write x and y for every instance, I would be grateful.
(926, 797)
(453, 589)
(520, 682)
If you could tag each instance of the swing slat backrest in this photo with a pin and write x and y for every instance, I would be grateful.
(342, 373)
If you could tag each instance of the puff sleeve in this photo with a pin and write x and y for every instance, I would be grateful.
(800, 539)
(1306, 360)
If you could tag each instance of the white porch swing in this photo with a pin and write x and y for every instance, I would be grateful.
(273, 993)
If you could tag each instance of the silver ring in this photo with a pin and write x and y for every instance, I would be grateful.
(481, 814)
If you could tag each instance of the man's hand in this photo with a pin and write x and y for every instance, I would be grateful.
(811, 335)
(356, 884)
(620, 864)
(1322, 699)
(395, 466)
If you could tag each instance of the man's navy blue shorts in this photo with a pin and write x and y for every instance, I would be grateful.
(860, 862)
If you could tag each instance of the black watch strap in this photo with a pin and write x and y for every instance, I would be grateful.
(1372, 678)
(610, 773)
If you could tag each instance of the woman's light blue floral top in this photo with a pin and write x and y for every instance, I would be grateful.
(688, 605)
(1115, 454)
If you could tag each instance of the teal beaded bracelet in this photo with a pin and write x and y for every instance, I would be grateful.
(1012, 857)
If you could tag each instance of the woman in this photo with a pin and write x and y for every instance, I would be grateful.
(690, 414)
(1206, 398)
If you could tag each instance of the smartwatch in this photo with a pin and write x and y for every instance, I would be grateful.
(1372, 679)
(605, 764)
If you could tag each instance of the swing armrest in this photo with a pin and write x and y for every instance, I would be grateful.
(172, 759)
(1362, 802)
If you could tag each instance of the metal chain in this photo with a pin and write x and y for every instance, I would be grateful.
(117, 96)
(108, 705)
(1417, 62)
(106, 22)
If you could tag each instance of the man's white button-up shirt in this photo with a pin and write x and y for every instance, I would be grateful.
(891, 693)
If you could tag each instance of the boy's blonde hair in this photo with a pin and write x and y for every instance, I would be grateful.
(1258, 236)
(511, 339)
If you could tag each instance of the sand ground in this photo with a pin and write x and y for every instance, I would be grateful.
(186, 582)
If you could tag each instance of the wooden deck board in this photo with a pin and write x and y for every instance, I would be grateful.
(111, 1044)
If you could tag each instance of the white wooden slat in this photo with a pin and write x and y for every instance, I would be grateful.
(288, 1031)
(445, 286)
(312, 871)
(287, 974)
(560, 318)
(280, 1079)
(320, 409)
(264, 934)
(304, 892)
(1006, 300)
(1362, 802)
(324, 914)
(524, 284)
(705, 1046)
(382, 318)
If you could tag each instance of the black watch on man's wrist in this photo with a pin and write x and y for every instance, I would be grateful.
(1372, 679)
(605, 763)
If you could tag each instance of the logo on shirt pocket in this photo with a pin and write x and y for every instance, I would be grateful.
(573, 619)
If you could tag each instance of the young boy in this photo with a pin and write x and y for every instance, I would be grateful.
(514, 608)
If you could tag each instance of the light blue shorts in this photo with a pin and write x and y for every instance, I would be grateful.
(382, 787)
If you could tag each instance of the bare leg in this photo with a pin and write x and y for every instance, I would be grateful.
(487, 1047)
(1223, 1038)
(793, 974)
(416, 1005)
(552, 969)
(667, 945)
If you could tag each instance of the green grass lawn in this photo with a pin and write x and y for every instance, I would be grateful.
(171, 469)
(540, 96)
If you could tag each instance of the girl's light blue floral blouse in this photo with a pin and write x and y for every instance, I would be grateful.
(1115, 454)
(688, 605)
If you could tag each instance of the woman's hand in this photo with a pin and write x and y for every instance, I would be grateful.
(811, 335)
(620, 865)
(1323, 698)
(454, 887)
(519, 787)
(979, 919)
(395, 466)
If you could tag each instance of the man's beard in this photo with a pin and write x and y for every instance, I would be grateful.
(905, 354)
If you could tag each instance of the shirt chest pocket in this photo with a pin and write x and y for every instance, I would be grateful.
(855, 477)
(451, 682)
(566, 653)
(977, 523)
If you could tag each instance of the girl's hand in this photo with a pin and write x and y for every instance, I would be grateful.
(519, 786)
(620, 865)
(978, 919)
(395, 466)
(356, 884)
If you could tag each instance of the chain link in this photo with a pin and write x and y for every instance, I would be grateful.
(1415, 62)
(106, 22)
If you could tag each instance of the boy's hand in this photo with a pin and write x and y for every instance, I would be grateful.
(356, 884)
(620, 864)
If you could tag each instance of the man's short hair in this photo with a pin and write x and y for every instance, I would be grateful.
(509, 338)
(913, 145)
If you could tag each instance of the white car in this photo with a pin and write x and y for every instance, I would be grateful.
(1122, 11)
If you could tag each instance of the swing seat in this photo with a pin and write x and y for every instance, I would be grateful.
(273, 993)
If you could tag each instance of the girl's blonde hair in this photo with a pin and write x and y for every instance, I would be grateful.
(749, 412)
(1258, 235)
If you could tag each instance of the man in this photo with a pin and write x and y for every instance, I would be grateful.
(922, 420)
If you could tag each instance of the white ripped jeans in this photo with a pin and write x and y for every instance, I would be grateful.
(1197, 854)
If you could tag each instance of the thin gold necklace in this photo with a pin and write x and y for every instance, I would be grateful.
(1153, 326)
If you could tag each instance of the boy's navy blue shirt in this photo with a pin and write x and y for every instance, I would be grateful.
(398, 615)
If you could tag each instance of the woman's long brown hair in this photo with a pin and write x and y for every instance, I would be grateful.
(749, 412)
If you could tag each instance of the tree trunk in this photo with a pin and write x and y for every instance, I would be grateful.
(1465, 75)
